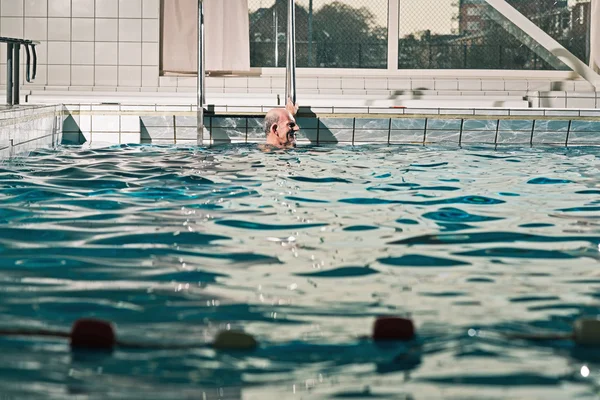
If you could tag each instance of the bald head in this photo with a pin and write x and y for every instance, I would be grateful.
(280, 128)
(272, 118)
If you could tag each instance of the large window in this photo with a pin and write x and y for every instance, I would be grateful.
(463, 34)
(329, 34)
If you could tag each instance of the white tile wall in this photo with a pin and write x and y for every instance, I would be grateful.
(87, 43)
(82, 29)
(37, 29)
(58, 28)
(59, 8)
(82, 53)
(130, 30)
(12, 8)
(107, 8)
(106, 30)
(82, 8)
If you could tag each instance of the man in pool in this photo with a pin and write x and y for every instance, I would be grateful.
(280, 127)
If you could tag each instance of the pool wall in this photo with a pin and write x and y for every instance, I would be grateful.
(27, 128)
(105, 124)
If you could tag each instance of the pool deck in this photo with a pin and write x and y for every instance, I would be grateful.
(346, 110)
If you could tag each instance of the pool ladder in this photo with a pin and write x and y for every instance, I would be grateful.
(290, 71)
(13, 62)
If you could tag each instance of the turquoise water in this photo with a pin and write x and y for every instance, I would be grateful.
(302, 249)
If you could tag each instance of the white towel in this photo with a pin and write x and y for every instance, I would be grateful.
(227, 36)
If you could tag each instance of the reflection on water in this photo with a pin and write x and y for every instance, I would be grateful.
(302, 249)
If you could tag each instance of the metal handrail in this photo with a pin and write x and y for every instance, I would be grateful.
(13, 62)
(290, 71)
(201, 73)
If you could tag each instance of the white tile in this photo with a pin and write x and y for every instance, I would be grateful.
(539, 85)
(584, 86)
(580, 102)
(105, 123)
(105, 75)
(130, 8)
(82, 8)
(36, 8)
(235, 82)
(373, 84)
(150, 54)
(399, 84)
(101, 138)
(130, 123)
(107, 8)
(11, 8)
(59, 75)
(130, 76)
(85, 122)
(423, 84)
(130, 54)
(41, 76)
(168, 81)
(82, 53)
(58, 28)
(106, 53)
(553, 102)
(130, 137)
(492, 85)
(82, 75)
(107, 30)
(59, 8)
(150, 76)
(130, 30)
(59, 53)
(187, 82)
(469, 84)
(37, 29)
(219, 82)
(446, 84)
(11, 27)
(82, 29)
(151, 8)
(356, 83)
(516, 84)
(328, 83)
(150, 31)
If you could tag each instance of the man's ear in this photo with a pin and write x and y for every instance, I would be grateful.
(273, 128)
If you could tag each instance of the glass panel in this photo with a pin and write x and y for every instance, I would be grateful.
(329, 34)
(469, 34)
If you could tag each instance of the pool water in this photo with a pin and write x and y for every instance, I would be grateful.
(303, 249)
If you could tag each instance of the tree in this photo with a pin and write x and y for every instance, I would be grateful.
(342, 36)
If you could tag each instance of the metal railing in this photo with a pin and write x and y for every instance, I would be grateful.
(290, 82)
(13, 62)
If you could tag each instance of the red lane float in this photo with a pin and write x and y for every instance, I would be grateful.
(93, 334)
(393, 328)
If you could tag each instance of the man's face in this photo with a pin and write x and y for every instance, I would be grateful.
(286, 130)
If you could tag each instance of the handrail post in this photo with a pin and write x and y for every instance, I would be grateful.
(9, 73)
(201, 73)
(17, 72)
(290, 72)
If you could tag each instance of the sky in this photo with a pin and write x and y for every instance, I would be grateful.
(415, 15)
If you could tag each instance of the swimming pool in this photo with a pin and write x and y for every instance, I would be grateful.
(302, 249)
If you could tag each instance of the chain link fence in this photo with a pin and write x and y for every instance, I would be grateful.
(433, 34)
(329, 34)
(466, 34)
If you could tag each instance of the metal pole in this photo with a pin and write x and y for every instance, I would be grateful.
(276, 23)
(290, 72)
(201, 73)
(16, 73)
(9, 74)
(310, 31)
